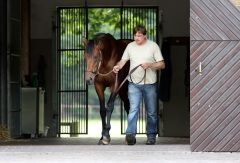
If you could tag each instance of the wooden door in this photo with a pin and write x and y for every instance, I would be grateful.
(215, 75)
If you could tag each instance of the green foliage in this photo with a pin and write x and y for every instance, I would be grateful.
(69, 58)
(104, 20)
(72, 27)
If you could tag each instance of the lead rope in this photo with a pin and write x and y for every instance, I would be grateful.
(129, 74)
(116, 89)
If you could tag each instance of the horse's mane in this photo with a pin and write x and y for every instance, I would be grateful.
(101, 35)
(110, 45)
(96, 38)
(90, 46)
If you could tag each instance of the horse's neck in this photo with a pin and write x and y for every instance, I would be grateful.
(110, 61)
(111, 52)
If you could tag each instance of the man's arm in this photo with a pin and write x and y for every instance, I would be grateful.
(119, 65)
(156, 65)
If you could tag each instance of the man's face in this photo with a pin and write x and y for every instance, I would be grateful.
(139, 38)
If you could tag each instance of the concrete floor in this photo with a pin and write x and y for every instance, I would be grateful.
(86, 150)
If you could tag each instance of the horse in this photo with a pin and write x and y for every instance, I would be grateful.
(101, 54)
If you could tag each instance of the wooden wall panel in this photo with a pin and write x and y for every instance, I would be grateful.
(215, 93)
(214, 20)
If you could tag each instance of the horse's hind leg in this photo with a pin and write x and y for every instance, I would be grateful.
(123, 94)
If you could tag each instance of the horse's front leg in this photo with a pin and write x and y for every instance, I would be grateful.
(105, 139)
(109, 110)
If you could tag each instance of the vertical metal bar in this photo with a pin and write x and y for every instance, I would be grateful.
(58, 17)
(133, 18)
(127, 23)
(144, 10)
(68, 44)
(58, 65)
(69, 70)
(65, 74)
(83, 70)
(121, 37)
(59, 45)
(80, 73)
(149, 18)
(77, 12)
(71, 27)
(73, 70)
(86, 30)
(148, 11)
(121, 20)
(80, 70)
(130, 23)
(61, 73)
(123, 23)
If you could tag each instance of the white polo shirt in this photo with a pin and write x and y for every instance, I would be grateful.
(138, 54)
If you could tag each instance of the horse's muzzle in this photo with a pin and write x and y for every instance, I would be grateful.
(90, 78)
(90, 82)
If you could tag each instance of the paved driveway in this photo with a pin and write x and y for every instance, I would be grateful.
(85, 150)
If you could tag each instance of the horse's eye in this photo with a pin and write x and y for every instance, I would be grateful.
(95, 57)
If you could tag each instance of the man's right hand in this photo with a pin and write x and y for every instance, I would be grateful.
(119, 66)
(116, 69)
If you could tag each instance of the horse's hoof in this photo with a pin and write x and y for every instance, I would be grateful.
(104, 141)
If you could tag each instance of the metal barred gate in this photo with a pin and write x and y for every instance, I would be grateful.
(73, 24)
(71, 89)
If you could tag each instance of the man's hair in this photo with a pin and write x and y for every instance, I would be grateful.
(139, 28)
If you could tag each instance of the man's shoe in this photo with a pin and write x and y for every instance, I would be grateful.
(151, 141)
(130, 139)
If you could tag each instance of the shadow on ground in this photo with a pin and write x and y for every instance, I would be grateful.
(90, 141)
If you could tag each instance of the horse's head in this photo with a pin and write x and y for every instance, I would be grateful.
(101, 54)
(92, 56)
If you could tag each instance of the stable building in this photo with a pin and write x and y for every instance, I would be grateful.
(43, 92)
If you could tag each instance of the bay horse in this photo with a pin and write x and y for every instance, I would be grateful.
(101, 54)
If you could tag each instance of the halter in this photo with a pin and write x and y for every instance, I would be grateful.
(95, 71)
(99, 64)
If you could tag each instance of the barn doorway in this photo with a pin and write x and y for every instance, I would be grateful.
(81, 117)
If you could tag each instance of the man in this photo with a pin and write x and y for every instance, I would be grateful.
(147, 54)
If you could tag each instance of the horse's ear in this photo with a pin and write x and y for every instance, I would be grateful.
(85, 41)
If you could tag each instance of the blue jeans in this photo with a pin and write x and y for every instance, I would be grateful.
(135, 94)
